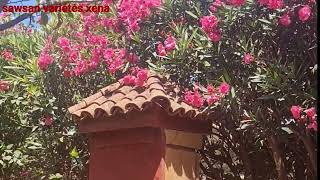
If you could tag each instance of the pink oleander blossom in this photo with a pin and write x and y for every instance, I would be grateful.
(304, 13)
(67, 73)
(224, 88)
(236, 2)
(275, 4)
(210, 89)
(285, 20)
(132, 58)
(170, 43)
(197, 100)
(44, 61)
(129, 80)
(142, 75)
(313, 125)
(215, 36)
(247, 58)
(208, 23)
(311, 112)
(4, 86)
(161, 51)
(47, 121)
(213, 99)
(108, 54)
(63, 42)
(296, 112)
(193, 98)
(7, 55)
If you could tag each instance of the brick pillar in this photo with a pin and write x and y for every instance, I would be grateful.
(133, 154)
(182, 162)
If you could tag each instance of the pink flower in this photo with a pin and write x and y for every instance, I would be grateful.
(29, 30)
(44, 61)
(64, 43)
(310, 112)
(161, 50)
(81, 67)
(224, 88)
(263, 2)
(197, 100)
(210, 89)
(213, 8)
(237, 2)
(313, 125)
(217, 3)
(214, 36)
(275, 4)
(67, 73)
(212, 99)
(285, 20)
(188, 97)
(296, 112)
(73, 55)
(208, 23)
(142, 75)
(7, 55)
(247, 58)
(304, 13)
(170, 43)
(48, 120)
(108, 54)
(122, 53)
(108, 23)
(132, 58)
(4, 86)
(129, 80)
(115, 65)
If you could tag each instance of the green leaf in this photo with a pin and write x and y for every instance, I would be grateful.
(287, 130)
(264, 21)
(55, 176)
(74, 153)
(192, 15)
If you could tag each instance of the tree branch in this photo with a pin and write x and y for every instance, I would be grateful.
(15, 21)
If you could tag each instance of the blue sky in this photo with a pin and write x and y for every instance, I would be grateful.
(24, 3)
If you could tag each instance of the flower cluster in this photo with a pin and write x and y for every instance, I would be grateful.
(7, 55)
(169, 45)
(131, 12)
(302, 117)
(304, 14)
(272, 4)
(213, 95)
(4, 86)
(136, 78)
(209, 25)
(45, 58)
(76, 61)
(236, 3)
(215, 5)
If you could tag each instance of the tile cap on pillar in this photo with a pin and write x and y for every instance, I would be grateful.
(118, 100)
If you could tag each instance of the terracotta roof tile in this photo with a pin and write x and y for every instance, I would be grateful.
(118, 98)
